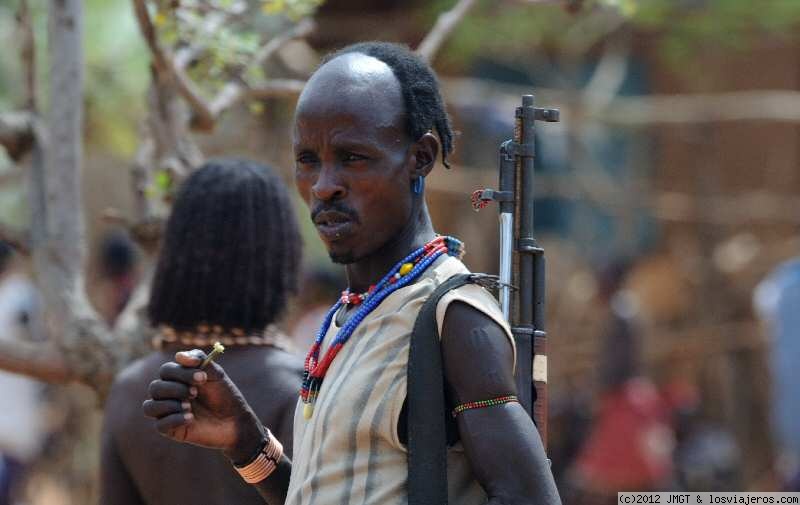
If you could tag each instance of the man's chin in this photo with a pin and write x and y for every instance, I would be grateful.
(342, 257)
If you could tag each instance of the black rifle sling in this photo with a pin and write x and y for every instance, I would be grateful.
(427, 434)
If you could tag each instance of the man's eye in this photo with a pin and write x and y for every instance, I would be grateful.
(306, 159)
(351, 157)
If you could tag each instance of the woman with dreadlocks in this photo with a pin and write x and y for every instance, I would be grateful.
(227, 266)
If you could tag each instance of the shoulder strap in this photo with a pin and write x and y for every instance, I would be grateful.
(427, 435)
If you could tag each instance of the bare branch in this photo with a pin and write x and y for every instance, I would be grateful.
(37, 361)
(236, 90)
(276, 88)
(37, 197)
(591, 27)
(609, 75)
(11, 177)
(27, 53)
(146, 233)
(770, 105)
(16, 239)
(16, 133)
(736, 210)
(165, 66)
(444, 26)
(58, 232)
(764, 105)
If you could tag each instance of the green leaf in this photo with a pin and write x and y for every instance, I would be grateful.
(163, 180)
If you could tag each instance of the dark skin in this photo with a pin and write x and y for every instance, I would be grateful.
(355, 169)
(135, 458)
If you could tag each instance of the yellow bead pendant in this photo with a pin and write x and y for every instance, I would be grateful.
(308, 411)
(406, 268)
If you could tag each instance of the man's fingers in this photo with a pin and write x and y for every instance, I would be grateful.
(168, 390)
(191, 359)
(162, 408)
(175, 425)
(214, 372)
(195, 358)
(174, 372)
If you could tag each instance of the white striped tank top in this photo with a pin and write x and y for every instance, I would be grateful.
(349, 452)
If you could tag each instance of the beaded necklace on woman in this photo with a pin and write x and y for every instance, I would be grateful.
(402, 274)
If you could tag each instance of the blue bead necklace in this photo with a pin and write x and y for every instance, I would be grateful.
(402, 274)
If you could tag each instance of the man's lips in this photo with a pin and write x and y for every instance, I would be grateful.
(333, 225)
(334, 231)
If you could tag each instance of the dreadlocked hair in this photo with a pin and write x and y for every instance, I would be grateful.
(424, 105)
(231, 250)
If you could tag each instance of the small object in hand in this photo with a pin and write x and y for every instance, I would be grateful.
(216, 351)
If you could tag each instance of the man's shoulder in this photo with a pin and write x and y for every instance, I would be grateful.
(474, 295)
(140, 368)
(129, 390)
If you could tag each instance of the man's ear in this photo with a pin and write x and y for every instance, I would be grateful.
(425, 151)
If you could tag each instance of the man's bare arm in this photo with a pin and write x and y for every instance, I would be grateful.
(501, 442)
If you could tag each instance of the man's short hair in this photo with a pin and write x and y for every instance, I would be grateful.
(231, 250)
(424, 105)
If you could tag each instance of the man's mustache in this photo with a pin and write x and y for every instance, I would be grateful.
(335, 207)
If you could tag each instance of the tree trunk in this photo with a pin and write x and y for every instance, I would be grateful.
(57, 203)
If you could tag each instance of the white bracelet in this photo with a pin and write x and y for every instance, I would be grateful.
(265, 463)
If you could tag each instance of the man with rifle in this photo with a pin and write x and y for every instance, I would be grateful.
(371, 423)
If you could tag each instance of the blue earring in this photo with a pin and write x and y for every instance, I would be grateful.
(419, 183)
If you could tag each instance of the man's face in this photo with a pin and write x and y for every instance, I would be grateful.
(353, 156)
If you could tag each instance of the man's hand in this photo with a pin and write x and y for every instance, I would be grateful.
(203, 407)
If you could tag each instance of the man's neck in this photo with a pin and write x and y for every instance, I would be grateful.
(369, 270)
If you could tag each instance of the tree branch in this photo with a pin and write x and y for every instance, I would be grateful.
(764, 105)
(444, 26)
(276, 88)
(27, 53)
(36, 361)
(16, 133)
(16, 239)
(203, 119)
(609, 74)
(236, 90)
(768, 105)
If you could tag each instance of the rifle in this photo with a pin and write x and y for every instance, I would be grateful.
(522, 266)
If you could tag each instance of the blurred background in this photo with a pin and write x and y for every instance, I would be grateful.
(668, 205)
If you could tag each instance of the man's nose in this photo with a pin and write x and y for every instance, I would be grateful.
(328, 185)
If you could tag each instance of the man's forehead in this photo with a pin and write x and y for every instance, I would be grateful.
(353, 84)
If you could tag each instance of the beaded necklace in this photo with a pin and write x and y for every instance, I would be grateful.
(205, 336)
(349, 298)
(402, 274)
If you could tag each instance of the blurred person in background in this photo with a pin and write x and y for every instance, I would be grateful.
(22, 429)
(630, 443)
(227, 266)
(777, 300)
(117, 258)
(707, 456)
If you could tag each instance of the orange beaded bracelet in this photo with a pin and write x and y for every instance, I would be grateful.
(483, 403)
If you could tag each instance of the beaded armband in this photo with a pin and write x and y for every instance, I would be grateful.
(483, 404)
(265, 463)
